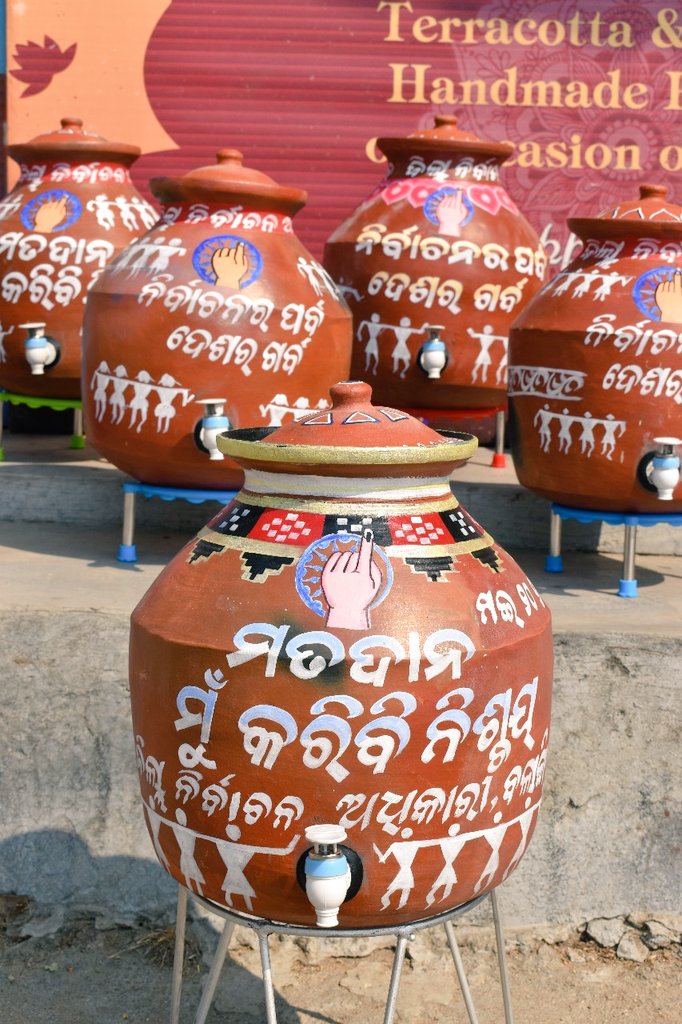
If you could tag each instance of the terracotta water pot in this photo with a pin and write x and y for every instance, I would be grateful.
(72, 210)
(343, 644)
(596, 363)
(219, 301)
(439, 243)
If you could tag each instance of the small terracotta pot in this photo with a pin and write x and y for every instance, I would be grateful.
(343, 644)
(219, 301)
(439, 244)
(72, 210)
(596, 362)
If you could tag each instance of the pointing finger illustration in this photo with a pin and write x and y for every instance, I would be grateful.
(365, 552)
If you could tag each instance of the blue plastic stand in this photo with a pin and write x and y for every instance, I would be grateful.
(127, 549)
(627, 586)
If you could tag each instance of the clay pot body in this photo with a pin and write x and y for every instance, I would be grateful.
(342, 644)
(596, 362)
(219, 300)
(439, 242)
(72, 210)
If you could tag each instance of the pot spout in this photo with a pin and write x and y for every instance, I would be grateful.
(327, 873)
(42, 353)
(664, 472)
(213, 422)
(433, 355)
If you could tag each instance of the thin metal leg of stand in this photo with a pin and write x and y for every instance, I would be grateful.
(502, 959)
(127, 551)
(214, 973)
(398, 961)
(499, 458)
(270, 1009)
(179, 955)
(77, 438)
(628, 584)
(461, 975)
(2, 413)
(554, 561)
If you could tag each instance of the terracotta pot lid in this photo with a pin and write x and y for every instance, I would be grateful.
(651, 214)
(447, 139)
(73, 142)
(229, 177)
(353, 438)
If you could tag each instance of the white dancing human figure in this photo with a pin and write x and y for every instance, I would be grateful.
(117, 400)
(493, 837)
(145, 212)
(163, 253)
(3, 335)
(100, 382)
(608, 282)
(587, 434)
(542, 418)
(235, 883)
(447, 879)
(524, 823)
(155, 821)
(128, 218)
(585, 285)
(300, 408)
(167, 390)
(101, 205)
(140, 400)
(501, 375)
(403, 882)
(401, 352)
(374, 329)
(186, 840)
(483, 359)
(276, 409)
(565, 424)
(565, 280)
(608, 444)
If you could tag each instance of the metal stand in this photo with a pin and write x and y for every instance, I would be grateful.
(127, 549)
(627, 586)
(39, 402)
(264, 929)
(499, 458)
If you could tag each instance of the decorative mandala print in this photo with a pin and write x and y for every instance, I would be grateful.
(228, 261)
(51, 211)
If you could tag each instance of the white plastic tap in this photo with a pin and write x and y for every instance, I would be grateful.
(327, 873)
(664, 472)
(40, 351)
(213, 422)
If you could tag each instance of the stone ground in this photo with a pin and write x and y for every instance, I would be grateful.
(89, 969)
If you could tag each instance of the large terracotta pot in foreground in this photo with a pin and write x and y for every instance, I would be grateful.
(219, 301)
(72, 210)
(441, 243)
(342, 644)
(596, 362)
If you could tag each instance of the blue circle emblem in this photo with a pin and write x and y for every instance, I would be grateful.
(644, 291)
(436, 198)
(316, 556)
(203, 256)
(70, 202)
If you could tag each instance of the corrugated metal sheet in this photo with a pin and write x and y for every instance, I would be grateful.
(299, 88)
